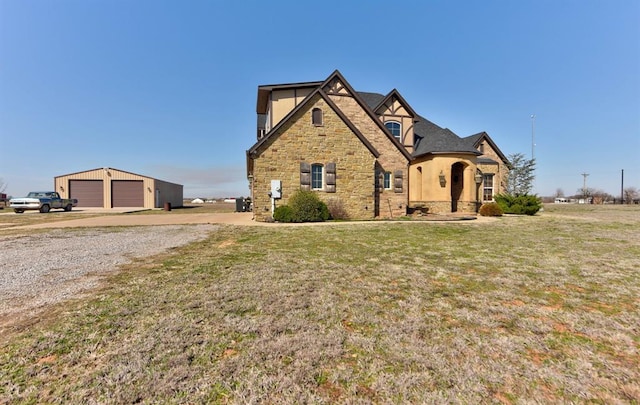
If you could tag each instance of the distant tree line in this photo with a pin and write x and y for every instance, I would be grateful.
(630, 195)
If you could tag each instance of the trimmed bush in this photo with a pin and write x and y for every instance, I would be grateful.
(525, 204)
(491, 210)
(306, 206)
(283, 213)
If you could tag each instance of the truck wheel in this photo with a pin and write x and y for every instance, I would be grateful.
(44, 209)
(68, 207)
(18, 211)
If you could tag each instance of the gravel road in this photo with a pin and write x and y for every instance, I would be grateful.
(42, 269)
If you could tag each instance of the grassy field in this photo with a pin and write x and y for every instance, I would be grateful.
(520, 309)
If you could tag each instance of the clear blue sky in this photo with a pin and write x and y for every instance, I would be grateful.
(168, 89)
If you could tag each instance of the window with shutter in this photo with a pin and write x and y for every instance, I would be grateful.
(330, 181)
(387, 181)
(317, 182)
(397, 181)
(305, 176)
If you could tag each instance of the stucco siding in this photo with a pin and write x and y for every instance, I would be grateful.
(428, 192)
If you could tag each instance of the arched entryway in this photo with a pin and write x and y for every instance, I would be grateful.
(457, 184)
(418, 185)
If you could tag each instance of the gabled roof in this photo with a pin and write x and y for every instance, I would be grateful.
(332, 105)
(265, 90)
(430, 138)
(395, 93)
(368, 110)
(106, 169)
(476, 139)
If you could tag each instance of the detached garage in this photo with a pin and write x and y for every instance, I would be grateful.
(112, 188)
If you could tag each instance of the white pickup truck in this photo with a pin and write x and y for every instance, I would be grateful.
(43, 201)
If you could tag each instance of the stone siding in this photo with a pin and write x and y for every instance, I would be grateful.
(392, 204)
(500, 170)
(443, 207)
(300, 141)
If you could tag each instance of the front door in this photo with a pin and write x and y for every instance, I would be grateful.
(457, 185)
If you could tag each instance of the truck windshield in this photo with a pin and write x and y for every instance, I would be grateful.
(34, 194)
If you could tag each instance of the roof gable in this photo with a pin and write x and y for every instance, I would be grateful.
(476, 139)
(275, 131)
(389, 103)
(336, 84)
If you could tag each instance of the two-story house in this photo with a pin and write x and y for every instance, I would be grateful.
(367, 155)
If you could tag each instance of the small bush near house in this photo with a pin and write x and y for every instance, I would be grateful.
(336, 209)
(525, 204)
(283, 213)
(307, 207)
(304, 206)
(491, 210)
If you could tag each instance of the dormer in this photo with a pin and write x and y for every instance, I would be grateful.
(277, 100)
(398, 116)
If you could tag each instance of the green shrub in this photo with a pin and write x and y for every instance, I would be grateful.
(306, 206)
(525, 204)
(283, 213)
(491, 210)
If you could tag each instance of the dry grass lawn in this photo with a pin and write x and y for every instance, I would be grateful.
(521, 309)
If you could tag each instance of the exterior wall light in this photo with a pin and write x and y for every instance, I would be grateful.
(443, 179)
(478, 176)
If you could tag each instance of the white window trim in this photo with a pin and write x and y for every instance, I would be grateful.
(387, 185)
(399, 138)
(322, 179)
(484, 186)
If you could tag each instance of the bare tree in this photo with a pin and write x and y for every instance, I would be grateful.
(559, 192)
(600, 196)
(631, 194)
(3, 185)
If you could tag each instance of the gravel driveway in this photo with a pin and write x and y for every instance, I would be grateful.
(42, 269)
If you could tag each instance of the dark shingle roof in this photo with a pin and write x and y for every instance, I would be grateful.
(474, 140)
(433, 139)
(430, 138)
(371, 99)
(486, 160)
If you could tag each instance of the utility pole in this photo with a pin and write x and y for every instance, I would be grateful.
(533, 147)
(533, 136)
(622, 188)
(584, 185)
